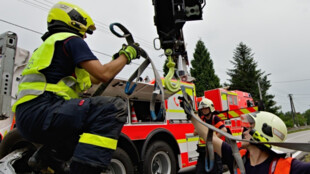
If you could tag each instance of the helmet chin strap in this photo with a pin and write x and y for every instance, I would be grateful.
(204, 116)
(207, 114)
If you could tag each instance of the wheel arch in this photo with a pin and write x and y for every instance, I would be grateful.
(129, 147)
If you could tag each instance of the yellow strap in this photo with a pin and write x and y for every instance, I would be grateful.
(98, 140)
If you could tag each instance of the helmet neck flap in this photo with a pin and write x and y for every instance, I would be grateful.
(58, 27)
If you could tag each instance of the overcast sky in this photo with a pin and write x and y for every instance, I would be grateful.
(277, 31)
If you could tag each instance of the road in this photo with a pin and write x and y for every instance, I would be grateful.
(303, 136)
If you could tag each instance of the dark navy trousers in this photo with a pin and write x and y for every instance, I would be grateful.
(201, 163)
(58, 123)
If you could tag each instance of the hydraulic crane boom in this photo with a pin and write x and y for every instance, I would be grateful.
(170, 17)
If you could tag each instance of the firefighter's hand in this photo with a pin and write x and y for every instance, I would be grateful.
(195, 132)
(132, 51)
(187, 106)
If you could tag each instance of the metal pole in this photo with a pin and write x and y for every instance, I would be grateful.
(259, 90)
(292, 109)
(261, 106)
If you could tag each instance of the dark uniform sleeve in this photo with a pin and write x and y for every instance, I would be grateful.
(218, 123)
(78, 49)
(227, 157)
(299, 167)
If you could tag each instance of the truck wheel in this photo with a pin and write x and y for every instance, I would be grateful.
(120, 163)
(159, 158)
(12, 141)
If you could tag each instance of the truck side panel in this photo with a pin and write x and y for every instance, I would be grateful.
(215, 96)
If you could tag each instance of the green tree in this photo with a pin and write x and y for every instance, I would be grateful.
(301, 120)
(287, 118)
(245, 75)
(202, 70)
(307, 116)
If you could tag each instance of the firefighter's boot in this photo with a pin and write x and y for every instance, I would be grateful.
(44, 160)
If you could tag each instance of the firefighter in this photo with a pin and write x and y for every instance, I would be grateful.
(49, 110)
(261, 126)
(206, 113)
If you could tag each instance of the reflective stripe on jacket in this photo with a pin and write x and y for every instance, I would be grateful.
(33, 83)
(277, 166)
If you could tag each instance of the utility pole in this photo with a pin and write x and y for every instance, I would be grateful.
(292, 109)
(261, 106)
(259, 90)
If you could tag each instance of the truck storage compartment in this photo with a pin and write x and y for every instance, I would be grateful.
(139, 100)
(142, 111)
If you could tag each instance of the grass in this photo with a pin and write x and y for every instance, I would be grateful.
(306, 158)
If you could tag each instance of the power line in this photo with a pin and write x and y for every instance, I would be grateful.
(34, 5)
(290, 81)
(42, 3)
(99, 52)
(301, 94)
(105, 27)
(301, 97)
(20, 26)
(49, 2)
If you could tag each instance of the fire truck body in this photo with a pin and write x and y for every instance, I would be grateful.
(245, 99)
(12, 62)
(230, 105)
(228, 100)
(141, 133)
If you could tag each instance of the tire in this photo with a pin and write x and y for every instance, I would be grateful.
(12, 141)
(159, 158)
(120, 163)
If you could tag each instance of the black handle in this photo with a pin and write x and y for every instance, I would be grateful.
(126, 34)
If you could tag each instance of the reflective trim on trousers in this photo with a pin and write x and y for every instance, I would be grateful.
(98, 140)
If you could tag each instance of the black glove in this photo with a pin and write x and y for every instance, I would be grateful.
(132, 51)
(187, 105)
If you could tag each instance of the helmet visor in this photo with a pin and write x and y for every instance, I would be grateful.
(247, 121)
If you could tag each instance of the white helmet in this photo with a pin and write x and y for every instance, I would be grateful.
(206, 103)
(268, 127)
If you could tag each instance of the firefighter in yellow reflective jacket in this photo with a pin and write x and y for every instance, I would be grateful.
(49, 110)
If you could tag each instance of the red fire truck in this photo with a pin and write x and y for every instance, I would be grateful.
(164, 145)
(231, 105)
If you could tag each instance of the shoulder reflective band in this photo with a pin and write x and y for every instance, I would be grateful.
(98, 140)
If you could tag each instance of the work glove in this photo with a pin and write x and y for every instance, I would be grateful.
(132, 51)
(187, 105)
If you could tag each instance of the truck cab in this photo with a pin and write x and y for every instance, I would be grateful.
(230, 106)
